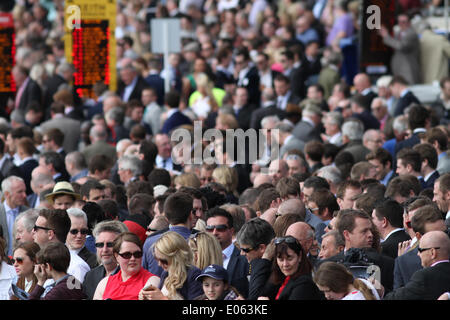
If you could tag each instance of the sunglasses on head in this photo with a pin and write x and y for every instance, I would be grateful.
(102, 244)
(127, 255)
(219, 227)
(18, 260)
(82, 231)
(288, 240)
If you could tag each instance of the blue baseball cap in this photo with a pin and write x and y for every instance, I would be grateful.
(214, 271)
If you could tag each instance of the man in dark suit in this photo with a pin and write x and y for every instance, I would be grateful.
(429, 159)
(242, 108)
(284, 93)
(14, 193)
(296, 68)
(268, 108)
(220, 224)
(55, 164)
(388, 219)
(28, 90)
(247, 76)
(25, 150)
(362, 113)
(399, 89)
(175, 117)
(434, 279)
(425, 219)
(155, 81)
(355, 226)
(62, 77)
(131, 84)
(266, 74)
(105, 233)
(363, 86)
(418, 121)
(53, 140)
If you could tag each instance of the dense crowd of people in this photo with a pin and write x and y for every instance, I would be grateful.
(348, 197)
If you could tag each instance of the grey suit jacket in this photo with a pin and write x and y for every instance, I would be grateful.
(4, 222)
(70, 128)
(305, 131)
(293, 143)
(405, 266)
(99, 147)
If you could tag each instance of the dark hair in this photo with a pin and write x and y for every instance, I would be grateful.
(99, 162)
(56, 254)
(58, 220)
(54, 158)
(427, 152)
(392, 211)
(126, 237)
(139, 187)
(411, 157)
(255, 232)
(347, 221)
(178, 207)
(316, 182)
(281, 249)
(55, 135)
(265, 198)
(90, 184)
(172, 99)
(424, 215)
(159, 176)
(94, 213)
(141, 203)
(31, 249)
(314, 150)
(417, 116)
(324, 198)
(110, 208)
(288, 186)
(381, 155)
(219, 212)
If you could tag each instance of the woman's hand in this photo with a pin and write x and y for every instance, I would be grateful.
(403, 247)
(151, 293)
(40, 270)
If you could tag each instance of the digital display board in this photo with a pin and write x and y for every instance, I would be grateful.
(90, 44)
(7, 53)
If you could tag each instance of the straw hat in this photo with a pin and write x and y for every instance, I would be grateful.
(62, 188)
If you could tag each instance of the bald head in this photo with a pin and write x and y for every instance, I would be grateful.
(295, 206)
(269, 215)
(361, 81)
(436, 239)
(262, 178)
(303, 233)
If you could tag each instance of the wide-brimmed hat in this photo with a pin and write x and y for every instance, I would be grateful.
(62, 188)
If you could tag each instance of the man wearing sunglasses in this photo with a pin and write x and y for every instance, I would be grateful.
(220, 224)
(105, 233)
(434, 279)
(53, 225)
(76, 238)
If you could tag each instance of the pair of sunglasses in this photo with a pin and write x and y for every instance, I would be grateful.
(102, 244)
(127, 255)
(18, 260)
(82, 231)
(219, 227)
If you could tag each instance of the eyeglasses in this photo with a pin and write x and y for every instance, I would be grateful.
(82, 231)
(219, 227)
(36, 228)
(425, 249)
(312, 209)
(127, 255)
(102, 244)
(18, 260)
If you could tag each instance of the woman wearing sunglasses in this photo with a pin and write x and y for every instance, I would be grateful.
(132, 277)
(178, 280)
(291, 273)
(7, 273)
(24, 261)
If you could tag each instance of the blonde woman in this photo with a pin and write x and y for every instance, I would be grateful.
(178, 278)
(206, 98)
(206, 249)
(187, 180)
(227, 177)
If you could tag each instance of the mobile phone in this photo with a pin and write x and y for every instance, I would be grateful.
(150, 287)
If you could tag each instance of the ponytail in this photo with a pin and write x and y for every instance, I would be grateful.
(365, 290)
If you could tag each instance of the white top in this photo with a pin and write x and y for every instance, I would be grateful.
(357, 295)
(7, 277)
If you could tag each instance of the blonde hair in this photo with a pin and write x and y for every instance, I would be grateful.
(227, 177)
(228, 120)
(189, 179)
(175, 249)
(208, 249)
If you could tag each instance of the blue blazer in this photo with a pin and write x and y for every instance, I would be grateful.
(175, 120)
(238, 270)
(157, 82)
(191, 288)
(405, 266)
